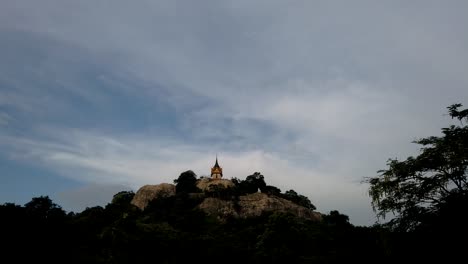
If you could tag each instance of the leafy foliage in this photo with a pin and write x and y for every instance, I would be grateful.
(272, 190)
(421, 188)
(187, 182)
(252, 184)
(298, 199)
(335, 218)
(172, 230)
(43, 208)
(123, 197)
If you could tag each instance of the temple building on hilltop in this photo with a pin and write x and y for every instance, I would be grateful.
(216, 171)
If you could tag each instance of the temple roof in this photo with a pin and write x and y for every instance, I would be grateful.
(216, 164)
(216, 171)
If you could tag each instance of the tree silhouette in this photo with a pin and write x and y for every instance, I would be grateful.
(419, 189)
(43, 208)
(299, 199)
(187, 182)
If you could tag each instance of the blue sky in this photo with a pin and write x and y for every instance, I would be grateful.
(102, 96)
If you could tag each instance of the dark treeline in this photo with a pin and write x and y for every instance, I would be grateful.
(171, 230)
(427, 195)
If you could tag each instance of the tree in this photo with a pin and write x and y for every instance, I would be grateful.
(283, 239)
(187, 182)
(299, 199)
(123, 197)
(255, 182)
(335, 218)
(251, 184)
(272, 190)
(420, 189)
(43, 208)
(121, 205)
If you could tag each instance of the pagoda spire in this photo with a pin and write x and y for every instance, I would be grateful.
(216, 171)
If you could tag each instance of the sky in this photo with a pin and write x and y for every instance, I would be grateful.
(98, 97)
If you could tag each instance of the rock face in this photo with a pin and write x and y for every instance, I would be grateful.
(251, 205)
(205, 183)
(255, 204)
(148, 193)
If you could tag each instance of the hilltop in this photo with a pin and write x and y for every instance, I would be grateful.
(221, 198)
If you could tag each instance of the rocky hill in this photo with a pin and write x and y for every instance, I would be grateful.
(148, 193)
(204, 184)
(244, 206)
(253, 205)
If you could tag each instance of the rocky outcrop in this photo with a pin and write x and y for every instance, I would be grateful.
(218, 207)
(148, 193)
(257, 203)
(253, 205)
(205, 183)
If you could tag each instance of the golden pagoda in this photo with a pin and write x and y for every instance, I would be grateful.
(216, 171)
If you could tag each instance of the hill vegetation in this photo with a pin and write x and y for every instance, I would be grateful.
(171, 229)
